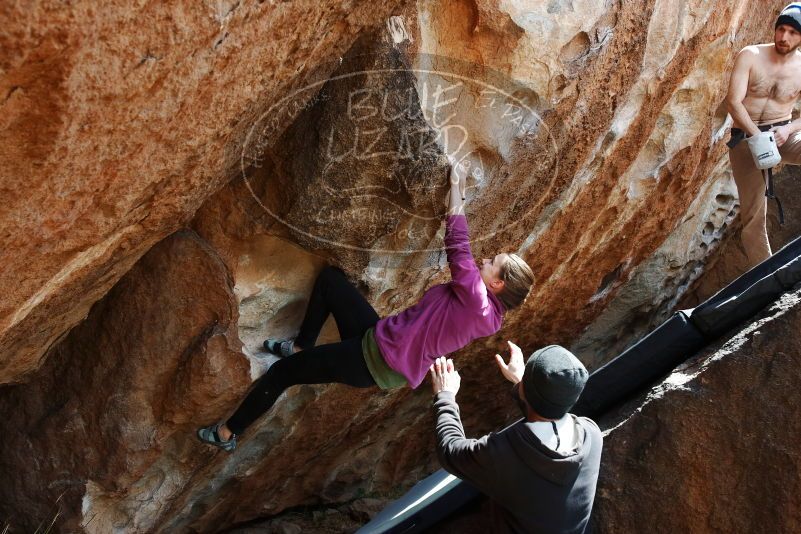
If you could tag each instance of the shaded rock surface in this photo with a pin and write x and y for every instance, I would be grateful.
(112, 411)
(594, 148)
(713, 448)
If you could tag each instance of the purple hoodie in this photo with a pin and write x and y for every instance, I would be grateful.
(447, 318)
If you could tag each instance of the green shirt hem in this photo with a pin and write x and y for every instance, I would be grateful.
(385, 377)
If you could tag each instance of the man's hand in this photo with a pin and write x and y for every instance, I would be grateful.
(513, 371)
(782, 133)
(443, 376)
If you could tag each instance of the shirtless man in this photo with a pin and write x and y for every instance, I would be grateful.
(765, 84)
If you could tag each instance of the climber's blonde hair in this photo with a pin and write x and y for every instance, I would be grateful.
(517, 279)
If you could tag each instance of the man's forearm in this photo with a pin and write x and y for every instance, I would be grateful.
(458, 455)
(742, 119)
(449, 424)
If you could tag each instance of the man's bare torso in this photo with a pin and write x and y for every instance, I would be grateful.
(773, 88)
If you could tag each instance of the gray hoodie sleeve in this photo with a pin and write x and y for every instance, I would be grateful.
(469, 459)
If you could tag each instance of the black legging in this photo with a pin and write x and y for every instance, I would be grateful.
(341, 362)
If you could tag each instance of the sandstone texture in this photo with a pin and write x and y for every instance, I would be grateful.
(118, 122)
(176, 175)
(97, 432)
(713, 448)
(730, 261)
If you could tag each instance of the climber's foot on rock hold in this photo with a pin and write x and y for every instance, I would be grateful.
(281, 348)
(211, 436)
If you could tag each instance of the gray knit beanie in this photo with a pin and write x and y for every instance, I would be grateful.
(553, 380)
(791, 15)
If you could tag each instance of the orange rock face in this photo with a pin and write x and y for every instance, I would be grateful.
(118, 122)
(283, 136)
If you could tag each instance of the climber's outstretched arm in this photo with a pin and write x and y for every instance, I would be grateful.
(457, 179)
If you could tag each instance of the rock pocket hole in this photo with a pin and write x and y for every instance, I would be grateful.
(724, 200)
(607, 282)
(578, 46)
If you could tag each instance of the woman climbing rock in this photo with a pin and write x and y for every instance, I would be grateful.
(394, 351)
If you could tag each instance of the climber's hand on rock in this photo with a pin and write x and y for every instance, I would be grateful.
(456, 193)
(457, 175)
(453, 179)
(444, 377)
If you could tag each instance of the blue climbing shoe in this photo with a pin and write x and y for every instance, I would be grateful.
(211, 436)
(281, 348)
